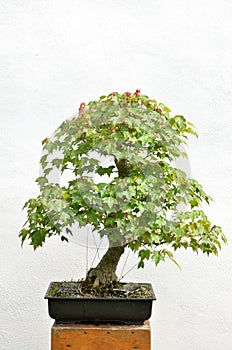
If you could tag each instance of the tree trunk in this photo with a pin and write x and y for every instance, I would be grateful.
(105, 271)
(122, 166)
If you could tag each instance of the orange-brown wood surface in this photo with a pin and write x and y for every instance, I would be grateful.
(102, 337)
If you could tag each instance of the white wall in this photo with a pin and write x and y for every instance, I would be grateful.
(56, 54)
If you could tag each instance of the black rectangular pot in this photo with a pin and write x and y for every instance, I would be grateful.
(113, 310)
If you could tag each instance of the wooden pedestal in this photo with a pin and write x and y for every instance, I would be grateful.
(100, 337)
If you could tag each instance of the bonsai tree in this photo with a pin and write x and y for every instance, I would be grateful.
(121, 152)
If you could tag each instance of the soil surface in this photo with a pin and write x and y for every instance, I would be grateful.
(81, 289)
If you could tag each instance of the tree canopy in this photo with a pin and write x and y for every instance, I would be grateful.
(129, 143)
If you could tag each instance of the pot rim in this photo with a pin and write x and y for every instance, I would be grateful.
(153, 297)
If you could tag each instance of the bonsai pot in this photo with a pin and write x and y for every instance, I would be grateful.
(125, 310)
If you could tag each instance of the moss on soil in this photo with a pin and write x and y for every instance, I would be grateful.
(81, 289)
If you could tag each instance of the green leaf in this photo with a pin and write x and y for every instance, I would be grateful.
(50, 146)
(57, 162)
(102, 171)
(144, 254)
(42, 180)
(47, 171)
(43, 160)
(110, 202)
(157, 257)
(23, 234)
(109, 222)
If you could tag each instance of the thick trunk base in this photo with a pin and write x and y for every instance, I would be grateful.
(105, 271)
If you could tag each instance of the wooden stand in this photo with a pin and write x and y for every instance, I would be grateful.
(101, 337)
